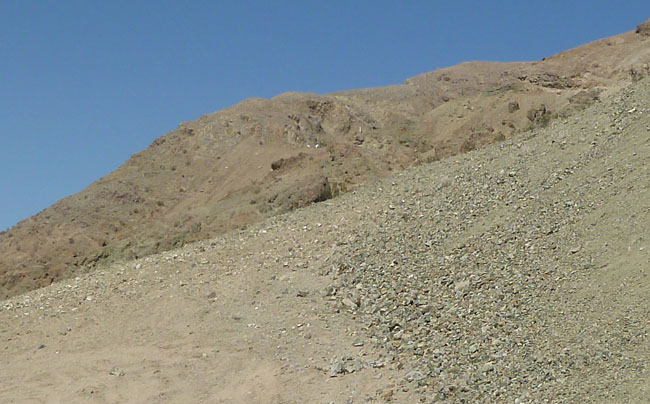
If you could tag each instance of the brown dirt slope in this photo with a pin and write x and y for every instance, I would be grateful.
(516, 273)
(264, 157)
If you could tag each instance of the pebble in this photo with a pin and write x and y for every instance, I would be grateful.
(116, 372)
(414, 376)
(336, 368)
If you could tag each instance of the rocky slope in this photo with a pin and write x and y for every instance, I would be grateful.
(516, 273)
(264, 157)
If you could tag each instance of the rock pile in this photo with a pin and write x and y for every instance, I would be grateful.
(467, 280)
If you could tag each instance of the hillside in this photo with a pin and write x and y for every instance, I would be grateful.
(515, 273)
(265, 157)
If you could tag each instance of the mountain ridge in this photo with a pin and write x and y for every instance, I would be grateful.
(217, 173)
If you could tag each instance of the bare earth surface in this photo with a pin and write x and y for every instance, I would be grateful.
(262, 157)
(516, 273)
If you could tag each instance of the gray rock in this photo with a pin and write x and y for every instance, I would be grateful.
(414, 376)
(347, 302)
(336, 369)
(116, 372)
(329, 291)
(486, 367)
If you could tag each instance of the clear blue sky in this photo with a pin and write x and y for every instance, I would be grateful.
(86, 84)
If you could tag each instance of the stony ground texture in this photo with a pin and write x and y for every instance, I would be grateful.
(513, 274)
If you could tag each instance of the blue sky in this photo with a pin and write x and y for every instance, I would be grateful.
(86, 84)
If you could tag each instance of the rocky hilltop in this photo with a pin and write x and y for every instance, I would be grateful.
(265, 157)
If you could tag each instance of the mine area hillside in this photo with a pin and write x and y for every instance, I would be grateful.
(262, 158)
(516, 272)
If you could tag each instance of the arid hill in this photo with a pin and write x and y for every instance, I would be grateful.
(263, 157)
(514, 273)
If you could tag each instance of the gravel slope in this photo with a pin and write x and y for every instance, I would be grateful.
(515, 274)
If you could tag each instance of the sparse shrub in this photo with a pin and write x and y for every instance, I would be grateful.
(544, 120)
(644, 28)
(329, 190)
(178, 240)
(468, 145)
(539, 117)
